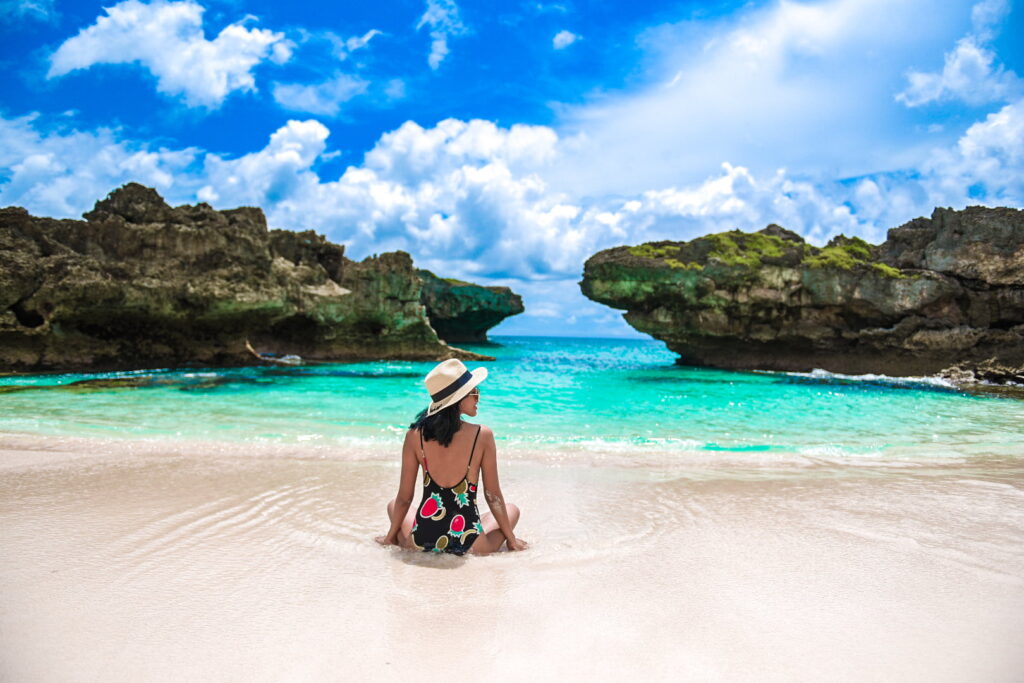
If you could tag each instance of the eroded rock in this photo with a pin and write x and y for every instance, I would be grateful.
(940, 292)
(462, 311)
(142, 284)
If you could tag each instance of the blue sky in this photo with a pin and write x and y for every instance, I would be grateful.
(505, 142)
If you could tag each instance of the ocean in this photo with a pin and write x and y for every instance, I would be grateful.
(567, 394)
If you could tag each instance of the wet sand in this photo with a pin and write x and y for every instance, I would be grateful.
(135, 561)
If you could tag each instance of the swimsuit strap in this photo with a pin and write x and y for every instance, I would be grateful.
(423, 451)
(472, 449)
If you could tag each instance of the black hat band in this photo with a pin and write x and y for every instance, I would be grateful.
(453, 387)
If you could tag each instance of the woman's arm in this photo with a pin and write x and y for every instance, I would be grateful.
(406, 487)
(492, 490)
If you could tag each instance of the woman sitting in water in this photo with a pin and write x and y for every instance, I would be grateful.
(439, 441)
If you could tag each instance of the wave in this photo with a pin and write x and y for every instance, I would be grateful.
(819, 376)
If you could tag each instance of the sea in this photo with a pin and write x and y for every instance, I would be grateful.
(625, 398)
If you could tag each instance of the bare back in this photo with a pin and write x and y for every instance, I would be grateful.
(447, 464)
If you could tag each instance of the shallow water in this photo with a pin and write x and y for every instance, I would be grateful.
(685, 524)
(570, 395)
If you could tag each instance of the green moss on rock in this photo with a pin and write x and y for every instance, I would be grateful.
(736, 248)
(656, 252)
(673, 263)
(888, 271)
(842, 252)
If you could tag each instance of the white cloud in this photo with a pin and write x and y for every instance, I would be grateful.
(323, 98)
(986, 166)
(564, 39)
(40, 10)
(358, 42)
(343, 47)
(271, 176)
(167, 38)
(986, 17)
(62, 173)
(476, 201)
(442, 16)
(753, 88)
(282, 51)
(970, 73)
(485, 189)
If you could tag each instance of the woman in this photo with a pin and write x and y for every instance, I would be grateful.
(448, 448)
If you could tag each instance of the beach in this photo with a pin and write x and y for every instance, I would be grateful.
(737, 289)
(149, 559)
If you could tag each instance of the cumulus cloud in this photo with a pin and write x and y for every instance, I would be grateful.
(987, 164)
(474, 200)
(63, 172)
(753, 87)
(564, 39)
(167, 38)
(323, 98)
(442, 17)
(970, 73)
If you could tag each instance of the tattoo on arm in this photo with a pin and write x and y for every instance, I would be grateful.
(494, 500)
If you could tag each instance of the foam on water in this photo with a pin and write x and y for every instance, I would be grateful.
(911, 382)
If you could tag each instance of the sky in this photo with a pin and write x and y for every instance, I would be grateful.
(506, 142)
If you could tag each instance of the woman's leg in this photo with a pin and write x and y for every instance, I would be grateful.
(405, 531)
(492, 538)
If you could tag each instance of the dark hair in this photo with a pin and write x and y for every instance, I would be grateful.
(441, 426)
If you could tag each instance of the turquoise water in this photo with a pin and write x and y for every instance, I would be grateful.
(542, 392)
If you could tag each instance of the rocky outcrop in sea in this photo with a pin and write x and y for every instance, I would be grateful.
(943, 294)
(139, 284)
(462, 311)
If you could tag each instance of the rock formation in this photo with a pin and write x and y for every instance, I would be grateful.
(945, 292)
(141, 284)
(462, 311)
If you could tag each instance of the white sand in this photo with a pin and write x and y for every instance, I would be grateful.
(125, 561)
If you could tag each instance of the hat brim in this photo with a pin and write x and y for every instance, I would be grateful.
(478, 375)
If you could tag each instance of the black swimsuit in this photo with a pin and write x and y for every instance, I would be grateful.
(447, 521)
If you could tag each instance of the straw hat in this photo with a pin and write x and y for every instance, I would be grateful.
(449, 383)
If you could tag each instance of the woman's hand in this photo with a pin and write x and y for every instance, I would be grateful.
(516, 544)
(386, 540)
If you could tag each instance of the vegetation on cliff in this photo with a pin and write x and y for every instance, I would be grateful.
(751, 250)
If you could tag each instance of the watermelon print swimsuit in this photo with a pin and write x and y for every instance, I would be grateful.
(448, 520)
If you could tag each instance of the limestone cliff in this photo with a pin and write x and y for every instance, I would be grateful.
(940, 292)
(462, 311)
(141, 284)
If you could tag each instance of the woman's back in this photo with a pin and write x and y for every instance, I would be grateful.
(448, 464)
